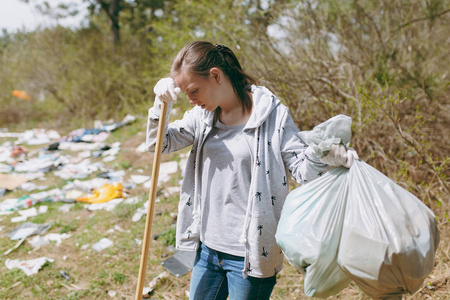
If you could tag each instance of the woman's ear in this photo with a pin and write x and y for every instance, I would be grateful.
(215, 74)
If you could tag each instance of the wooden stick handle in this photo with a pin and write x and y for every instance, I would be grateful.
(151, 199)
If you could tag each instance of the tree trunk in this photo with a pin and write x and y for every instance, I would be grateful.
(112, 9)
(113, 13)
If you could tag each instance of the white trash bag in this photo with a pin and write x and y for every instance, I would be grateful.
(309, 232)
(356, 224)
(389, 237)
(313, 215)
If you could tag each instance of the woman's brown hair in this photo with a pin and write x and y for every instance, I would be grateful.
(200, 56)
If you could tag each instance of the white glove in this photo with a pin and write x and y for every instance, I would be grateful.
(166, 90)
(340, 156)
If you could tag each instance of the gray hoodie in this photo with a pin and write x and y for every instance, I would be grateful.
(278, 153)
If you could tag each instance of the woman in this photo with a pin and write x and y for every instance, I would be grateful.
(244, 142)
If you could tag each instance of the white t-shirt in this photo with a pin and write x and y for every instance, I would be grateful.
(225, 164)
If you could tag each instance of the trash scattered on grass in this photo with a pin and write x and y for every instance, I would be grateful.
(142, 148)
(166, 170)
(31, 212)
(85, 186)
(140, 212)
(132, 200)
(102, 244)
(149, 289)
(138, 179)
(112, 293)
(103, 194)
(57, 238)
(37, 137)
(113, 175)
(23, 231)
(42, 209)
(21, 95)
(30, 267)
(172, 190)
(74, 195)
(30, 186)
(11, 182)
(30, 200)
(86, 145)
(19, 219)
(64, 274)
(108, 206)
(79, 170)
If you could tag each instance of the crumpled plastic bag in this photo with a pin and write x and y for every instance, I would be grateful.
(356, 224)
(103, 194)
(336, 130)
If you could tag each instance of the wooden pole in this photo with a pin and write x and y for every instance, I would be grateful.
(151, 199)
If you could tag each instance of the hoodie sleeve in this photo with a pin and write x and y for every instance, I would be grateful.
(298, 158)
(178, 135)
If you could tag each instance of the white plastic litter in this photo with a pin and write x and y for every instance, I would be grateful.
(5, 168)
(138, 214)
(34, 175)
(30, 267)
(77, 171)
(141, 148)
(154, 283)
(42, 209)
(37, 137)
(87, 185)
(31, 212)
(57, 238)
(108, 206)
(79, 146)
(109, 158)
(19, 219)
(138, 179)
(169, 167)
(30, 186)
(102, 244)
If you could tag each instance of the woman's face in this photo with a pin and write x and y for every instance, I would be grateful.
(201, 91)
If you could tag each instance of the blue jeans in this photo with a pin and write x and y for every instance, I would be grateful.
(217, 275)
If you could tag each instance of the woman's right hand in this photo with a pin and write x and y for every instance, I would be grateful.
(339, 155)
(166, 90)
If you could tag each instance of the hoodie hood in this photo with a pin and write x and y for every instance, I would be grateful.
(264, 102)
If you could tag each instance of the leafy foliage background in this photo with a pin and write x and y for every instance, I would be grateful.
(384, 63)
